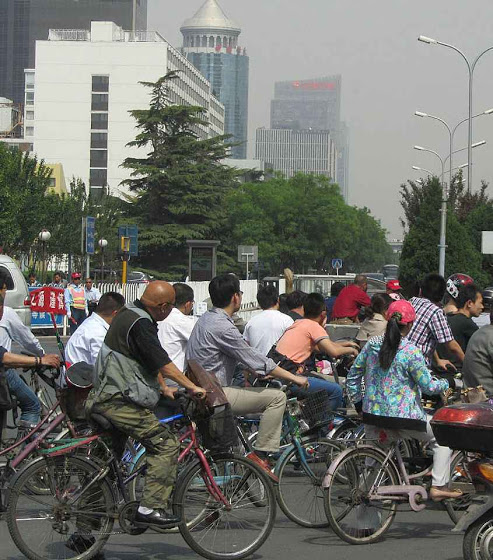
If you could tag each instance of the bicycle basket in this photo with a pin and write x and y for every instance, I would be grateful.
(315, 408)
(217, 429)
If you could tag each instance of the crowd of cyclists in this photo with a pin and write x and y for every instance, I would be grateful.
(140, 351)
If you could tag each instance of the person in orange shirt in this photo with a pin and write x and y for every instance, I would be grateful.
(306, 336)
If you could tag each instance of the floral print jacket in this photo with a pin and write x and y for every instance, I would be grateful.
(395, 392)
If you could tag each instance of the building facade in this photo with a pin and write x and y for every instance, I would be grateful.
(84, 86)
(22, 22)
(314, 105)
(210, 42)
(297, 151)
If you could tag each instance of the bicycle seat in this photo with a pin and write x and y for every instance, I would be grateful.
(102, 421)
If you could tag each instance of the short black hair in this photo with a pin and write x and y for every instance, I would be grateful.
(183, 293)
(467, 293)
(313, 305)
(267, 296)
(222, 288)
(336, 289)
(295, 299)
(109, 302)
(433, 287)
(6, 279)
(283, 308)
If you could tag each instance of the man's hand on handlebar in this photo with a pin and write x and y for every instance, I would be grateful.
(197, 392)
(50, 360)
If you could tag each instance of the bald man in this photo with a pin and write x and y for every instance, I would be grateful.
(130, 375)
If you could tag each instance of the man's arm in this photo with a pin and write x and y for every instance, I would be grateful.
(16, 360)
(454, 347)
(68, 302)
(363, 299)
(22, 334)
(335, 350)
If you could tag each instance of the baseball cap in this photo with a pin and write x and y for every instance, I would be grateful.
(401, 310)
(393, 285)
(75, 275)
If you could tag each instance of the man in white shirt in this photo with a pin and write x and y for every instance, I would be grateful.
(84, 345)
(175, 330)
(92, 295)
(266, 328)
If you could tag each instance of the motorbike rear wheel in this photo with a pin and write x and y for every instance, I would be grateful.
(478, 540)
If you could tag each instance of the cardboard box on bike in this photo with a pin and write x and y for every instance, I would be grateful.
(468, 427)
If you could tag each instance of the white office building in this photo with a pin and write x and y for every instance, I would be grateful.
(85, 83)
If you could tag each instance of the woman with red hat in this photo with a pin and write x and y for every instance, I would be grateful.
(394, 289)
(75, 302)
(395, 373)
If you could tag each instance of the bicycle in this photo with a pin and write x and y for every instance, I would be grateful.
(215, 497)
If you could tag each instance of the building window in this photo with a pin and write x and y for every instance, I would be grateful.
(96, 193)
(99, 140)
(29, 115)
(98, 177)
(29, 130)
(100, 83)
(30, 98)
(52, 182)
(99, 102)
(99, 121)
(99, 158)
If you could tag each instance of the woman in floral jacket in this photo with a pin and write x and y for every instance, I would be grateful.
(395, 374)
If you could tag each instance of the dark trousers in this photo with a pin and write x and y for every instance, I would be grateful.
(78, 315)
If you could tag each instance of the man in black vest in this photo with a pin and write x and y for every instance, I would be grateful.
(130, 376)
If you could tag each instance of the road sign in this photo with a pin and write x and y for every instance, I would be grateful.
(336, 263)
(248, 253)
(131, 231)
(90, 235)
(487, 242)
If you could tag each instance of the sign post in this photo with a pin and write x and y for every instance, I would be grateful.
(337, 264)
(202, 259)
(248, 254)
(129, 246)
(125, 247)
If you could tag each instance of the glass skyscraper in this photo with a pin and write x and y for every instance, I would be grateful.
(210, 42)
(22, 22)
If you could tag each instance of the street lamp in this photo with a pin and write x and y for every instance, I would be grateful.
(44, 236)
(470, 67)
(102, 244)
(416, 168)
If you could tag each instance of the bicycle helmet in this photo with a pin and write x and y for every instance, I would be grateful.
(455, 282)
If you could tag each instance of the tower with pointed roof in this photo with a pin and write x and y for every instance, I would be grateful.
(211, 43)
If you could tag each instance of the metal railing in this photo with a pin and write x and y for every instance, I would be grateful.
(69, 35)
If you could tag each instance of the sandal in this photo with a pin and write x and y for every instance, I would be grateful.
(438, 495)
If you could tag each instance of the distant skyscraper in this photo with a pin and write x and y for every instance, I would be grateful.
(210, 42)
(22, 22)
(313, 105)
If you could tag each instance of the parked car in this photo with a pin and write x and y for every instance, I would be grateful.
(17, 292)
(138, 277)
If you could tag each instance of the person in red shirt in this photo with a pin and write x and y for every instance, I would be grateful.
(350, 301)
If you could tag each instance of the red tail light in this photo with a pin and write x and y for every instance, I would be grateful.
(27, 302)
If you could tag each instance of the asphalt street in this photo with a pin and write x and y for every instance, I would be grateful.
(424, 535)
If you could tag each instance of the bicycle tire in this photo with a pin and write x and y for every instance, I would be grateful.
(351, 480)
(299, 492)
(209, 514)
(459, 475)
(61, 472)
(478, 540)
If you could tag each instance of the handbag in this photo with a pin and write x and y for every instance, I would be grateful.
(5, 397)
(214, 394)
(474, 395)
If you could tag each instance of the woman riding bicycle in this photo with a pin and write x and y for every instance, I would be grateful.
(395, 373)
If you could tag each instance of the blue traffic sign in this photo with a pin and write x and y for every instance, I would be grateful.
(337, 263)
(90, 235)
(131, 231)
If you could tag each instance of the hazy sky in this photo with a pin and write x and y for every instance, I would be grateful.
(386, 75)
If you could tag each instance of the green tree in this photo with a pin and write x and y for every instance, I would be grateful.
(180, 185)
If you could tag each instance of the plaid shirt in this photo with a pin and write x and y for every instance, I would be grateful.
(430, 327)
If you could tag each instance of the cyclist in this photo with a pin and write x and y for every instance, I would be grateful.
(395, 373)
(454, 283)
(129, 376)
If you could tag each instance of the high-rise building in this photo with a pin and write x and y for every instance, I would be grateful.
(312, 106)
(84, 86)
(210, 42)
(23, 22)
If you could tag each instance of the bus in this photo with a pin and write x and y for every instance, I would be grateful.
(390, 272)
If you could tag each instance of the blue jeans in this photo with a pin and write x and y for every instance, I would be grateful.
(28, 401)
(78, 315)
(334, 391)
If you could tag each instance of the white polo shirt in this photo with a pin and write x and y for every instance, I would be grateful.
(265, 329)
(84, 345)
(174, 333)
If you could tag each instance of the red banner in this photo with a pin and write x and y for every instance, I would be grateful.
(48, 300)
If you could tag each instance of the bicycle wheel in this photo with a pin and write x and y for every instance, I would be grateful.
(232, 531)
(73, 521)
(353, 516)
(460, 479)
(299, 493)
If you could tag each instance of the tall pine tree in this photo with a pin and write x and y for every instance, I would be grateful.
(180, 185)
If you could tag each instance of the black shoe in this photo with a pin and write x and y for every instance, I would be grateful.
(158, 517)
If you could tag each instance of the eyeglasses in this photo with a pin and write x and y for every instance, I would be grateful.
(166, 303)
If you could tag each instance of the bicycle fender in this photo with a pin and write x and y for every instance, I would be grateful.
(335, 463)
(283, 456)
(473, 513)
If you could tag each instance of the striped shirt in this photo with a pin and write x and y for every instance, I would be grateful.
(430, 327)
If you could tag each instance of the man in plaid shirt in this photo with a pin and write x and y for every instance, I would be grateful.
(431, 327)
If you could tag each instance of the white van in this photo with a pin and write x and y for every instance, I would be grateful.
(17, 292)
